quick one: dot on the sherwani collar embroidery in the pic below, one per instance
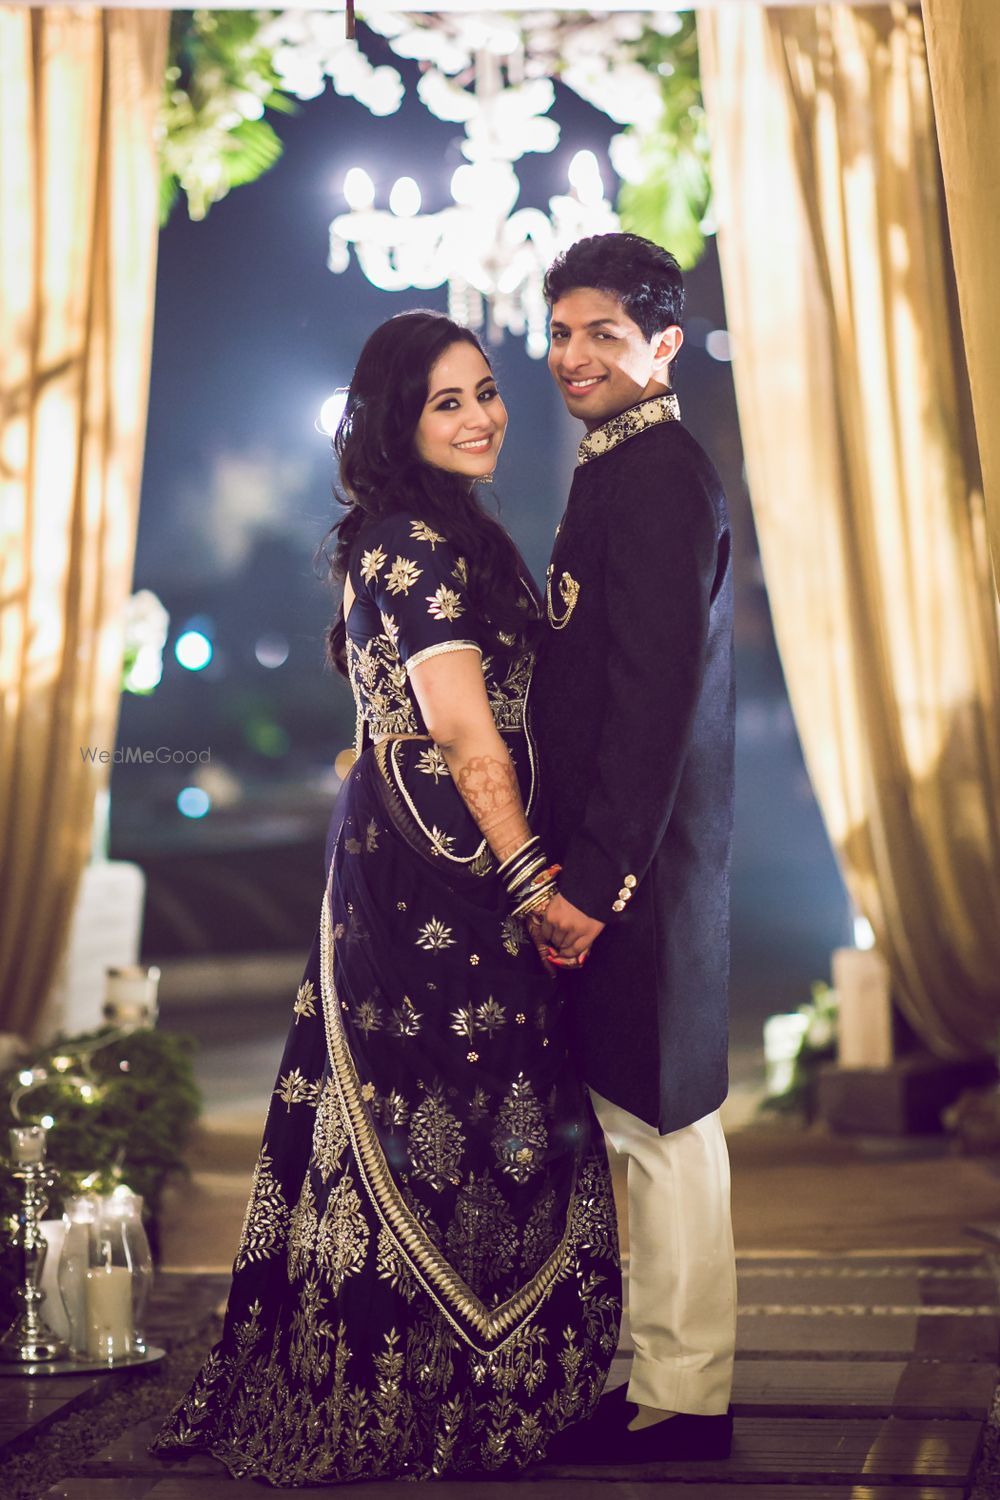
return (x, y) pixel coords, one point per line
(627, 423)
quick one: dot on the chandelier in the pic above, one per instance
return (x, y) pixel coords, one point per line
(491, 255)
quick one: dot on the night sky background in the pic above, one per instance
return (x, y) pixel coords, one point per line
(252, 333)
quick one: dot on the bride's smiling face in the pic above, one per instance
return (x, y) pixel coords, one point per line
(462, 425)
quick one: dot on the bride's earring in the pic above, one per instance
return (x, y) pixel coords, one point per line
(484, 479)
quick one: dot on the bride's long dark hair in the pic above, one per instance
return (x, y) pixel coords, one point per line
(381, 472)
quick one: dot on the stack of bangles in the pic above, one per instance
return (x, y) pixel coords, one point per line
(529, 878)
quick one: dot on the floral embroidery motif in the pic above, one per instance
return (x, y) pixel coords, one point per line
(445, 604)
(434, 936)
(626, 424)
(404, 1021)
(302, 1231)
(371, 837)
(342, 1235)
(520, 1138)
(432, 763)
(402, 575)
(436, 1141)
(482, 1237)
(441, 842)
(490, 1016)
(367, 1016)
(265, 1223)
(461, 570)
(305, 1001)
(372, 562)
(512, 936)
(392, 1110)
(330, 1139)
(391, 1267)
(421, 532)
(294, 1088)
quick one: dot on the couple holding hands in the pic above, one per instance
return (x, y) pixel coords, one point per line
(523, 947)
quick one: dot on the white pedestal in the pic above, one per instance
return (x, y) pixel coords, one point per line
(105, 931)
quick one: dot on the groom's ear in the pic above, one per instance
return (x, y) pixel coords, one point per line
(666, 346)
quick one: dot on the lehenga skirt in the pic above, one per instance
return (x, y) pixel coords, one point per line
(427, 1282)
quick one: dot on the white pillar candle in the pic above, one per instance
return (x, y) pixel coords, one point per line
(53, 1310)
(130, 996)
(27, 1145)
(109, 1312)
(864, 998)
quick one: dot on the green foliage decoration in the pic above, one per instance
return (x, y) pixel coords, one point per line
(122, 1103)
(220, 80)
(670, 202)
(817, 1046)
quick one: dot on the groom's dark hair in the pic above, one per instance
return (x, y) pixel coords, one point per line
(644, 278)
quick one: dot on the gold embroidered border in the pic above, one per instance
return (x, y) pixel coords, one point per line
(628, 423)
(440, 649)
(450, 1294)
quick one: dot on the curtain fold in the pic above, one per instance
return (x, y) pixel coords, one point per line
(963, 50)
(79, 91)
(864, 475)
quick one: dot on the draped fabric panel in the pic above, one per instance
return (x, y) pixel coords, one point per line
(79, 91)
(963, 51)
(864, 474)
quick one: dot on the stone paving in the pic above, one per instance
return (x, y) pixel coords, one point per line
(858, 1377)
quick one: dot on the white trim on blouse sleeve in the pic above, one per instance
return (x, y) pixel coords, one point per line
(439, 650)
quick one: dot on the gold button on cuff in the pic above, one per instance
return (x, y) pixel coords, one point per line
(618, 906)
(624, 894)
(631, 882)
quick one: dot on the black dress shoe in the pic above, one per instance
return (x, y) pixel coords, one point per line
(605, 1438)
(682, 1438)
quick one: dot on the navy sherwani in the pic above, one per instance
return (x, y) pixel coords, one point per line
(633, 709)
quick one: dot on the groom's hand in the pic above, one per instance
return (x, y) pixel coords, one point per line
(568, 931)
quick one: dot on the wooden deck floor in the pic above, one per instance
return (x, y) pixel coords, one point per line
(857, 1378)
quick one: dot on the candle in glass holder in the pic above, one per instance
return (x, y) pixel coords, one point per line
(27, 1145)
(108, 1294)
(130, 996)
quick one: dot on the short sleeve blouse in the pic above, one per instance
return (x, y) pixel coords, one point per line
(416, 581)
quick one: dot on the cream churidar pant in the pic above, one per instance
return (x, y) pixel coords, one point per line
(682, 1263)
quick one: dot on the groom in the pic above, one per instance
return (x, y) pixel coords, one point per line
(633, 707)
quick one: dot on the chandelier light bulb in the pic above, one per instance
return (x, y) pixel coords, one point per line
(585, 178)
(359, 190)
(405, 200)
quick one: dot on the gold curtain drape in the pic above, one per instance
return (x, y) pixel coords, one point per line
(863, 469)
(963, 50)
(79, 91)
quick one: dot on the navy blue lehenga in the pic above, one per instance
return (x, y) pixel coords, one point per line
(427, 1282)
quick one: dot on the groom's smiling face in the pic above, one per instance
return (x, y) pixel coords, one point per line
(601, 360)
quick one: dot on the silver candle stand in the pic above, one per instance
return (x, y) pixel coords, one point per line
(29, 1339)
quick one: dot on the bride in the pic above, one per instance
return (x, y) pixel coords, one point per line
(427, 1283)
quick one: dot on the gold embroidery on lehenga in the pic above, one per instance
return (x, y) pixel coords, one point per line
(295, 1088)
(404, 1020)
(436, 1142)
(302, 1231)
(482, 1236)
(329, 1140)
(520, 1138)
(449, 1292)
(342, 1235)
(305, 1001)
(312, 1336)
(391, 1267)
(434, 935)
(265, 1223)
